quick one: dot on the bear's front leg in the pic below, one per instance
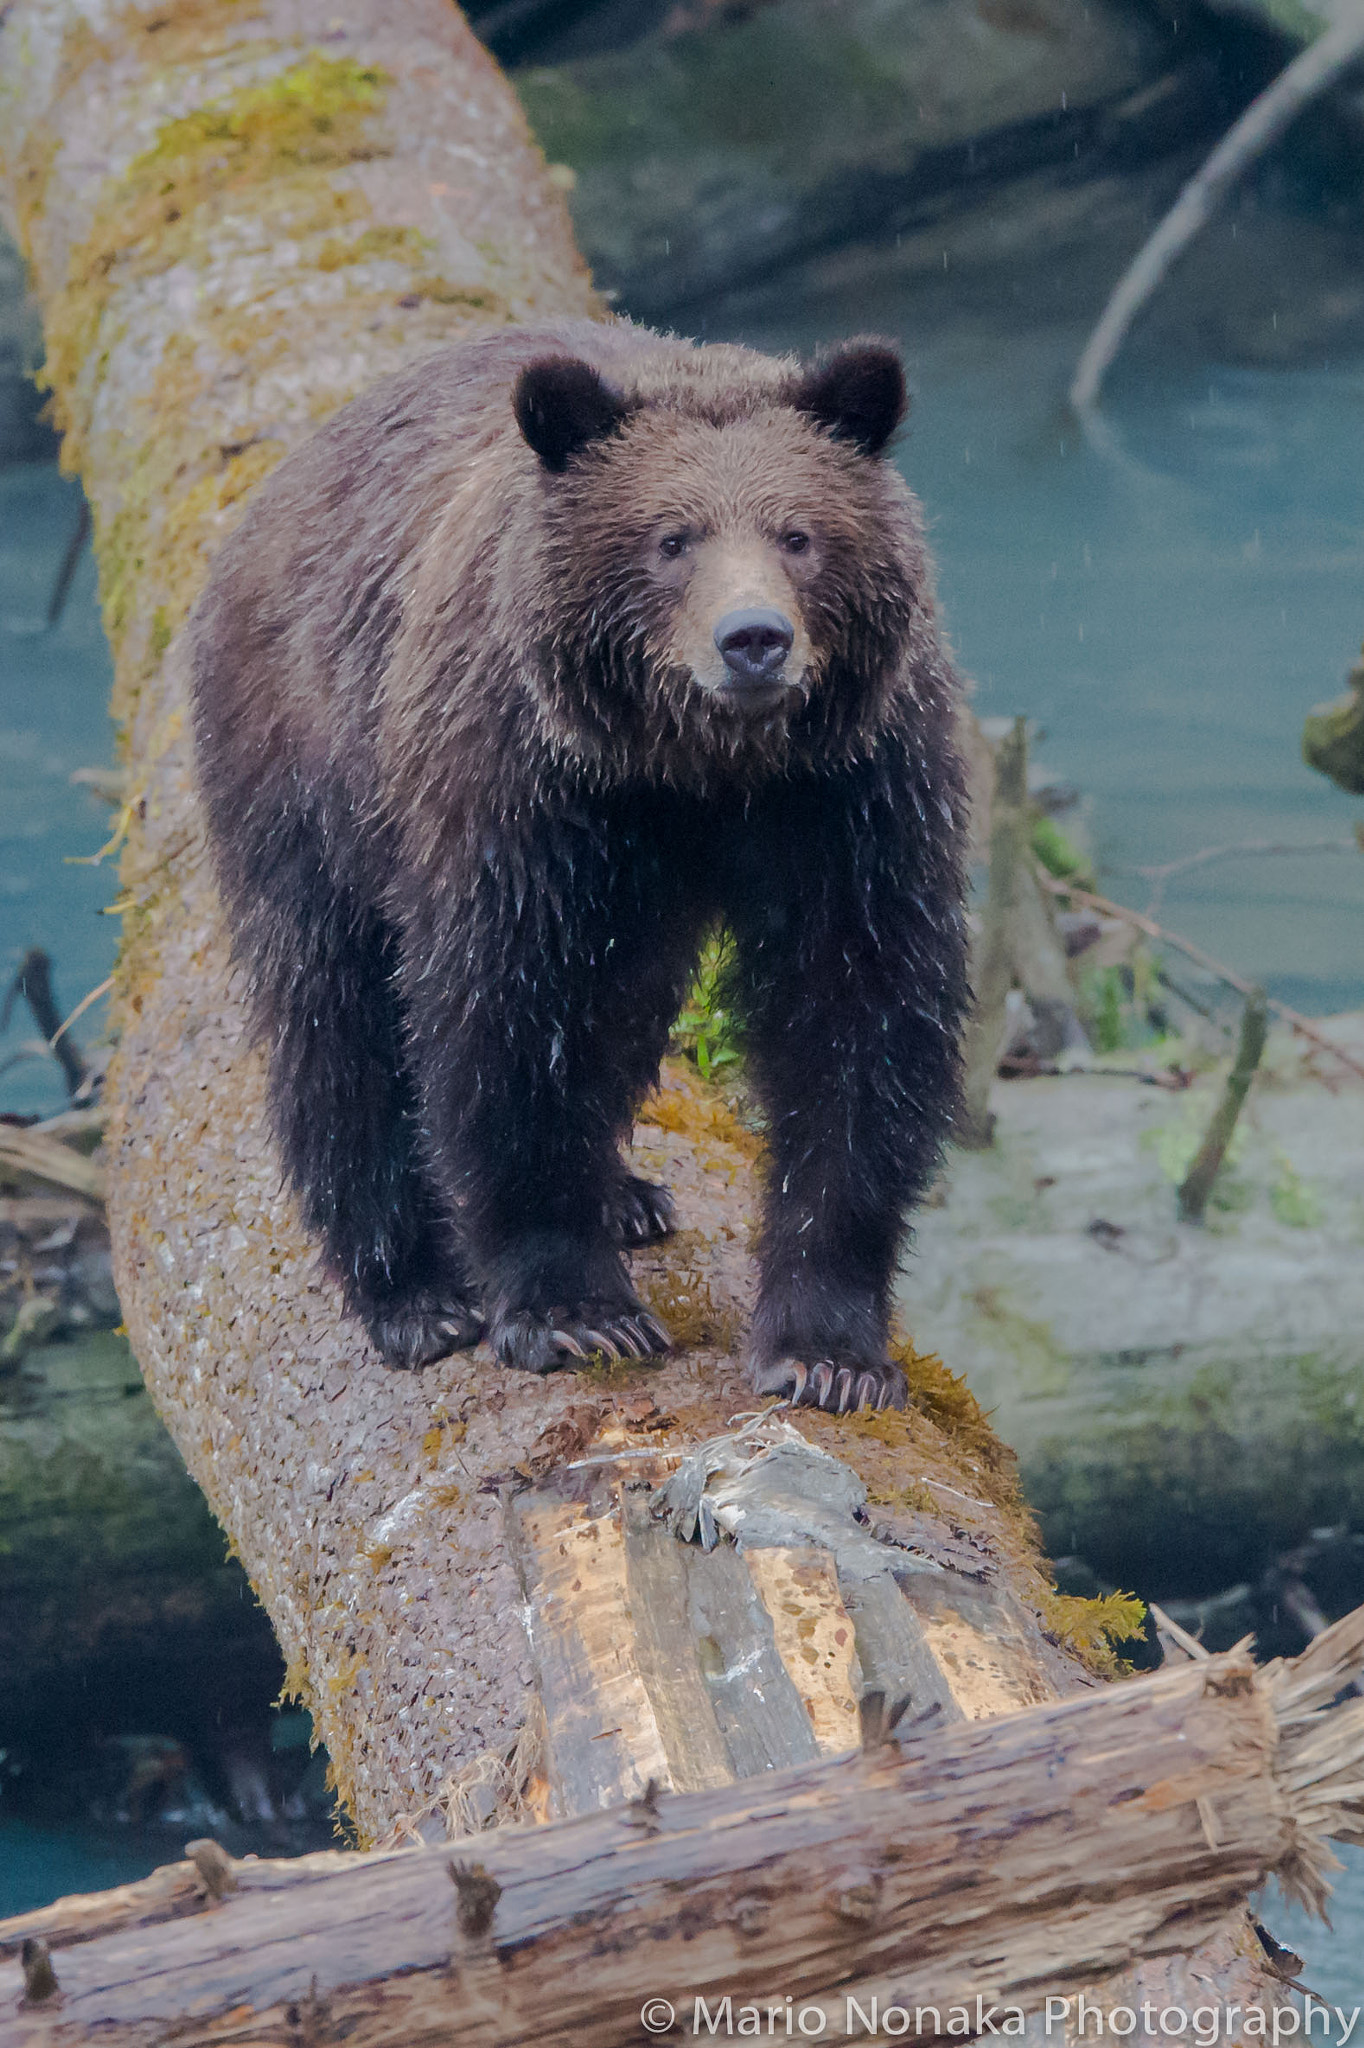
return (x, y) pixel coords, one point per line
(538, 1187)
(851, 952)
(538, 1014)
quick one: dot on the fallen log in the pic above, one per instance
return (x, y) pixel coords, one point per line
(1012, 1861)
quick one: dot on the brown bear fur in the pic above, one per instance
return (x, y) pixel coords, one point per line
(480, 776)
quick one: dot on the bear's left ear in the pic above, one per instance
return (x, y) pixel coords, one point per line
(561, 405)
(856, 394)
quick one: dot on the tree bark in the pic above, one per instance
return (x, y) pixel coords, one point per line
(1008, 1861)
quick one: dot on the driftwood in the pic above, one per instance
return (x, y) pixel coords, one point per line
(1018, 946)
(29, 1155)
(1302, 1027)
(1010, 1861)
(1312, 72)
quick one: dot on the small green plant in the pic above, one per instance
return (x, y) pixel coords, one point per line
(1121, 1005)
(1059, 855)
(1291, 1199)
(707, 1029)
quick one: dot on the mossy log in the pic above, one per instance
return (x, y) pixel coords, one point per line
(1004, 1862)
(1184, 1400)
(114, 1581)
(1333, 735)
(234, 218)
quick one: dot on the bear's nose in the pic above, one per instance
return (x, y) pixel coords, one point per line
(754, 643)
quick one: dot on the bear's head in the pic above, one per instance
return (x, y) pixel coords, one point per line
(731, 570)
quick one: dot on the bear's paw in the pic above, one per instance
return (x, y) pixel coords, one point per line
(410, 1334)
(611, 1331)
(640, 1212)
(838, 1388)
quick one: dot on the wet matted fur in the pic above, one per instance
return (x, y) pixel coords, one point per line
(541, 659)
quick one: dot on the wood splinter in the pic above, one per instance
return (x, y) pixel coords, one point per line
(40, 1979)
(479, 1892)
(214, 1867)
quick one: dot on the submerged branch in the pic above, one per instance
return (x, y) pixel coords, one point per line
(1310, 74)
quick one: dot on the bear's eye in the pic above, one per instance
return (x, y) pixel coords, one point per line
(672, 545)
(794, 542)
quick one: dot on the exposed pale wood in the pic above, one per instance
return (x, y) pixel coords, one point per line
(815, 1639)
(1013, 1858)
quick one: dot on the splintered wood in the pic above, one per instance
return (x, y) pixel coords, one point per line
(660, 1660)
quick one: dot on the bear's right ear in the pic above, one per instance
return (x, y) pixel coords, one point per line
(562, 405)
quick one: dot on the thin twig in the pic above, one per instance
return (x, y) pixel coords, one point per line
(1197, 1183)
(1263, 122)
(1235, 849)
(1217, 968)
(81, 1008)
(34, 983)
(1180, 1637)
(75, 548)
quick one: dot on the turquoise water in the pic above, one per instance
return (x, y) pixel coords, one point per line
(54, 686)
(39, 1864)
(1333, 1968)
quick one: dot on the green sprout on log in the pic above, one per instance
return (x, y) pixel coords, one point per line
(707, 1029)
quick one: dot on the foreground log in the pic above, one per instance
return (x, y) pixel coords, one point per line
(1012, 1861)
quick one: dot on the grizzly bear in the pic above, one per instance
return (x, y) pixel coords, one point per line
(541, 661)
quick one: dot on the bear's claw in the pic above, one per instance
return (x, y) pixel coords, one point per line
(532, 1343)
(431, 1325)
(639, 1212)
(838, 1389)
